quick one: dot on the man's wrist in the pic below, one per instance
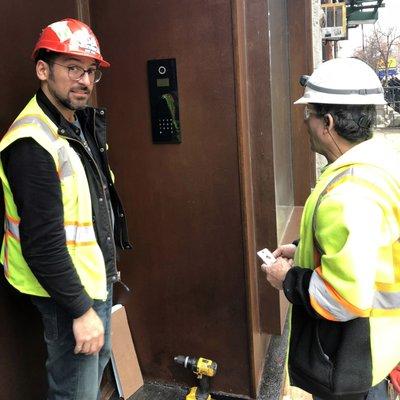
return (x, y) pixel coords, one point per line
(80, 305)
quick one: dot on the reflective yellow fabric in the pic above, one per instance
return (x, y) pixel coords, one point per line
(80, 236)
(353, 217)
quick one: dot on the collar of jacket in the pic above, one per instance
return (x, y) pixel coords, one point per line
(85, 116)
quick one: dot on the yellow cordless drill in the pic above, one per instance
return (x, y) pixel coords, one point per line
(204, 370)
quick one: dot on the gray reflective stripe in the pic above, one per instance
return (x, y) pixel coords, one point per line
(64, 164)
(386, 300)
(34, 120)
(12, 227)
(363, 92)
(80, 234)
(65, 167)
(318, 290)
(5, 261)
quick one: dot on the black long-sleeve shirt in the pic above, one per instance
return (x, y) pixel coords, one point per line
(35, 185)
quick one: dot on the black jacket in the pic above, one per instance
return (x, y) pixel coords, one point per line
(34, 182)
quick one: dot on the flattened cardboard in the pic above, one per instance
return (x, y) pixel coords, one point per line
(123, 358)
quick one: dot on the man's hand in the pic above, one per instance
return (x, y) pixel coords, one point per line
(89, 333)
(286, 251)
(276, 273)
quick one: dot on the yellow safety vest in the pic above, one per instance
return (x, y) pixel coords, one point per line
(358, 273)
(79, 232)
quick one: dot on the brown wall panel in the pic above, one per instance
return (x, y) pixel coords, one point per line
(22, 373)
(301, 62)
(251, 70)
(183, 201)
(22, 22)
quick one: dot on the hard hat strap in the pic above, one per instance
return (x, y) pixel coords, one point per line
(377, 90)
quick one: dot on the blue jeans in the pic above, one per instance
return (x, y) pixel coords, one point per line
(72, 376)
(377, 392)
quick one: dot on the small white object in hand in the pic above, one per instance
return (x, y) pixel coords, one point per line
(266, 256)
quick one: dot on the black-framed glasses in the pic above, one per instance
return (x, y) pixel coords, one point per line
(75, 72)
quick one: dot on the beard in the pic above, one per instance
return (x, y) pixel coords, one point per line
(68, 102)
(65, 99)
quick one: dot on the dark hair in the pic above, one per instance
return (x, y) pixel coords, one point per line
(352, 121)
(45, 55)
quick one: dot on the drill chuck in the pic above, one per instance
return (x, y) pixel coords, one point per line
(200, 366)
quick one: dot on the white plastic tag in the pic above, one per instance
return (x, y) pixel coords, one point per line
(266, 256)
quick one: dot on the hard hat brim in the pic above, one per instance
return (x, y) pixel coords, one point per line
(301, 100)
(377, 100)
(103, 63)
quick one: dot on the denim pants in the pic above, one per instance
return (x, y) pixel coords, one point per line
(377, 392)
(72, 376)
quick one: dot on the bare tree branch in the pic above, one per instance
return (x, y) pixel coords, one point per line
(379, 49)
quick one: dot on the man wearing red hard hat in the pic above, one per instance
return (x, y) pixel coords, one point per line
(63, 216)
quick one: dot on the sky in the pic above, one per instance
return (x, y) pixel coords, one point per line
(388, 16)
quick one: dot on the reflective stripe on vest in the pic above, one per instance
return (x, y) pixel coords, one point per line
(80, 235)
(325, 299)
(11, 226)
(11, 229)
(76, 234)
(34, 120)
(328, 303)
(64, 168)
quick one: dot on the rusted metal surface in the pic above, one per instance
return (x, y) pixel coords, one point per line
(300, 62)
(182, 200)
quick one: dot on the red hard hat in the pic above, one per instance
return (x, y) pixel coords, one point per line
(70, 36)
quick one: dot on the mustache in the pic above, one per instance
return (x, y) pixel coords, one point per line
(81, 88)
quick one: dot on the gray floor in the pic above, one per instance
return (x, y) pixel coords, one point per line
(153, 391)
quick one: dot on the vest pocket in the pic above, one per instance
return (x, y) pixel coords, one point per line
(306, 355)
(329, 358)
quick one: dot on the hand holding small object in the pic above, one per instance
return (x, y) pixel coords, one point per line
(285, 250)
(276, 273)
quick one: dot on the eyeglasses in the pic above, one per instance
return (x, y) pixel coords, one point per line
(308, 112)
(75, 73)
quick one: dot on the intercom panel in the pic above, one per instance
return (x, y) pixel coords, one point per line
(164, 104)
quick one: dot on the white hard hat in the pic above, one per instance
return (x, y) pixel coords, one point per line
(342, 81)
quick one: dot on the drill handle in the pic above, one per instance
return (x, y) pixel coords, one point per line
(204, 385)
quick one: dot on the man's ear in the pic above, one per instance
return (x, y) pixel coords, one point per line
(328, 122)
(42, 70)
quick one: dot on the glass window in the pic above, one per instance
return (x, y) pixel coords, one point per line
(330, 17)
(338, 16)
